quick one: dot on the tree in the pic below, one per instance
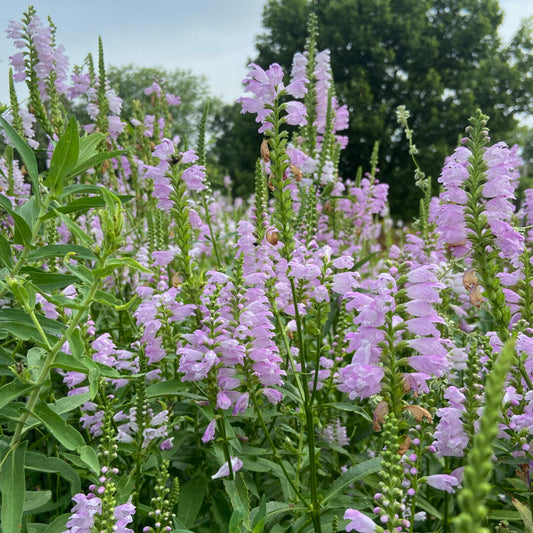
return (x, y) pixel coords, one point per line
(130, 82)
(439, 58)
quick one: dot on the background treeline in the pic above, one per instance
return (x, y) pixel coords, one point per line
(439, 58)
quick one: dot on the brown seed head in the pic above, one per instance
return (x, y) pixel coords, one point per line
(265, 152)
(469, 279)
(380, 412)
(23, 170)
(271, 185)
(419, 412)
(328, 208)
(475, 295)
(272, 237)
(176, 280)
(297, 173)
(404, 446)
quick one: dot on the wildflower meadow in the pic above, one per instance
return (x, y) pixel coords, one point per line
(176, 359)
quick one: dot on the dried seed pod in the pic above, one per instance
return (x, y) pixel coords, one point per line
(272, 237)
(475, 295)
(297, 173)
(419, 412)
(265, 152)
(271, 185)
(404, 446)
(328, 208)
(380, 412)
(469, 279)
(176, 280)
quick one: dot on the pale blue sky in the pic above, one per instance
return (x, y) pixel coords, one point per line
(213, 38)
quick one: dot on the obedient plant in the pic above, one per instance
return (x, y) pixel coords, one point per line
(175, 359)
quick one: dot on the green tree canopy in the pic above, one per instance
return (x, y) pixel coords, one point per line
(439, 58)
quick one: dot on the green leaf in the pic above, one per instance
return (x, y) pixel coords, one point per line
(115, 264)
(27, 155)
(13, 488)
(238, 494)
(89, 145)
(64, 157)
(86, 239)
(426, 506)
(351, 408)
(54, 465)
(59, 524)
(5, 252)
(17, 323)
(48, 281)
(80, 271)
(29, 211)
(76, 344)
(192, 496)
(66, 404)
(92, 162)
(275, 510)
(89, 456)
(12, 391)
(355, 473)
(35, 499)
(67, 362)
(60, 250)
(525, 514)
(258, 525)
(35, 358)
(67, 435)
(22, 234)
(172, 387)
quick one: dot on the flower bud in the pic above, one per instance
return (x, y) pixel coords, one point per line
(265, 152)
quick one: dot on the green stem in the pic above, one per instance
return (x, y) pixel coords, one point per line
(48, 364)
(315, 511)
(259, 414)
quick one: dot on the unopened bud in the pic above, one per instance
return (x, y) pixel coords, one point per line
(475, 295)
(380, 412)
(265, 152)
(272, 237)
(469, 279)
(297, 173)
(419, 412)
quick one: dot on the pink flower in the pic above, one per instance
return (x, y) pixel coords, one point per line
(359, 522)
(223, 471)
(443, 482)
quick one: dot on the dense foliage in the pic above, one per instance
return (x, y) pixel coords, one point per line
(173, 358)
